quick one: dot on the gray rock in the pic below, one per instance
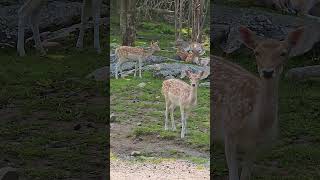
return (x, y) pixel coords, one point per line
(226, 21)
(306, 72)
(131, 65)
(101, 74)
(8, 173)
(141, 85)
(113, 117)
(135, 153)
(205, 84)
(173, 70)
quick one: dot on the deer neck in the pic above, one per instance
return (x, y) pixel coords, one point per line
(193, 96)
(149, 52)
(269, 103)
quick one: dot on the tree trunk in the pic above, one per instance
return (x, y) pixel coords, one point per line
(180, 17)
(127, 22)
(176, 3)
(198, 18)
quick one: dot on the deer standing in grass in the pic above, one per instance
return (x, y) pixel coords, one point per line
(246, 106)
(31, 10)
(139, 55)
(179, 93)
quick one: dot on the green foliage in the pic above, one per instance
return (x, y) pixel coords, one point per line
(151, 110)
(46, 97)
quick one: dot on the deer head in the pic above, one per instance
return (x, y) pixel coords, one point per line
(194, 77)
(155, 46)
(270, 54)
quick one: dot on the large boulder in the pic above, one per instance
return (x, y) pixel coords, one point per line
(226, 21)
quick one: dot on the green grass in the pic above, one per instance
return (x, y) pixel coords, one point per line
(297, 152)
(150, 110)
(45, 98)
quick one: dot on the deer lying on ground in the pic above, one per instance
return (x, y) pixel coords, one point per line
(179, 93)
(184, 49)
(246, 106)
(192, 58)
(128, 53)
(31, 10)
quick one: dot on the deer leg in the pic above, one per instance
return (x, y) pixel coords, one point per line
(173, 124)
(86, 7)
(96, 20)
(135, 69)
(117, 69)
(166, 114)
(185, 122)
(140, 64)
(121, 71)
(247, 166)
(35, 20)
(182, 122)
(230, 152)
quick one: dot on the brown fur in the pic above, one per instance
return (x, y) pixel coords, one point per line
(179, 93)
(245, 107)
(128, 53)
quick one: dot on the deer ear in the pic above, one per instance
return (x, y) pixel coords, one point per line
(248, 37)
(294, 37)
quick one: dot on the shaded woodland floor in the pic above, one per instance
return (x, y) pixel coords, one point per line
(53, 119)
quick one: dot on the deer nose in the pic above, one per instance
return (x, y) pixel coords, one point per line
(193, 85)
(268, 73)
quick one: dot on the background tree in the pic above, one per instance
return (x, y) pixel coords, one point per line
(127, 22)
(199, 11)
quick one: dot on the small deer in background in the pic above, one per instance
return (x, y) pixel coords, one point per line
(246, 106)
(185, 49)
(192, 58)
(179, 93)
(128, 53)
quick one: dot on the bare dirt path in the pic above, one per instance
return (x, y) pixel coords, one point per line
(171, 170)
(122, 145)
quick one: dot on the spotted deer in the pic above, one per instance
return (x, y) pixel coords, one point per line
(178, 93)
(245, 106)
(128, 53)
(187, 49)
(192, 58)
(31, 10)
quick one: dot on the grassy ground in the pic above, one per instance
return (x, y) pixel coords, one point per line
(133, 104)
(53, 120)
(130, 101)
(297, 153)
